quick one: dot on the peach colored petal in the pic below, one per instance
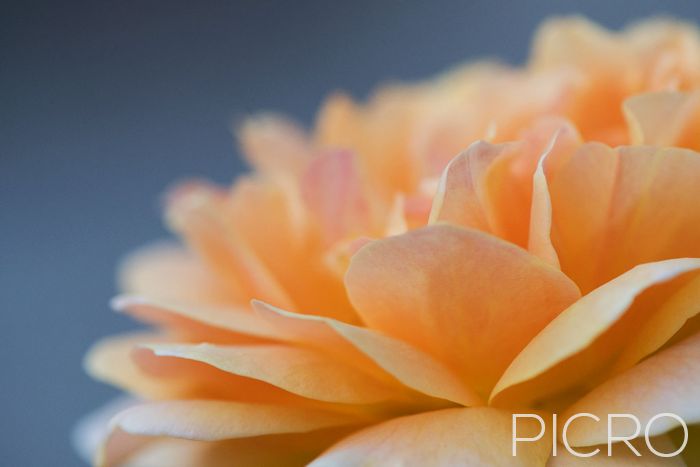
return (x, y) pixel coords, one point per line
(663, 119)
(410, 366)
(211, 420)
(490, 187)
(118, 447)
(378, 133)
(466, 297)
(198, 211)
(208, 420)
(622, 456)
(582, 323)
(92, 429)
(291, 450)
(274, 221)
(472, 436)
(212, 323)
(273, 144)
(122, 362)
(334, 191)
(109, 360)
(557, 149)
(614, 209)
(461, 198)
(663, 324)
(300, 371)
(168, 271)
(664, 383)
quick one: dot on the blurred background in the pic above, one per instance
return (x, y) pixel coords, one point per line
(104, 104)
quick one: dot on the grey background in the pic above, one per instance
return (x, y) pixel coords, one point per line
(103, 104)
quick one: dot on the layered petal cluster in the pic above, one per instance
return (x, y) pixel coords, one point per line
(389, 287)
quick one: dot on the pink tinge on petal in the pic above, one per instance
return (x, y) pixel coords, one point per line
(333, 190)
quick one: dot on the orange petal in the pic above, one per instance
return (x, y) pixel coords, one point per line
(109, 360)
(663, 325)
(578, 327)
(199, 212)
(664, 383)
(663, 119)
(410, 366)
(202, 321)
(169, 272)
(273, 220)
(558, 149)
(461, 198)
(334, 192)
(93, 429)
(210, 420)
(614, 209)
(303, 372)
(287, 450)
(273, 144)
(466, 297)
(473, 436)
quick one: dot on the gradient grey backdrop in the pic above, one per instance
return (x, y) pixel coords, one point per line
(103, 104)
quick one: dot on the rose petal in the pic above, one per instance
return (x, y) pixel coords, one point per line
(466, 297)
(333, 190)
(557, 150)
(578, 327)
(473, 436)
(169, 272)
(461, 198)
(291, 450)
(109, 360)
(197, 211)
(614, 209)
(93, 428)
(303, 372)
(284, 237)
(210, 323)
(663, 119)
(273, 144)
(410, 366)
(664, 383)
(210, 420)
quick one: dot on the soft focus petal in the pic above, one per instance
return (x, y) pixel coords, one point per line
(93, 428)
(169, 272)
(664, 119)
(273, 144)
(665, 382)
(198, 212)
(335, 194)
(273, 220)
(109, 360)
(473, 436)
(468, 298)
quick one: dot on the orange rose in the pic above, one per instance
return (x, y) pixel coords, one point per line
(364, 296)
